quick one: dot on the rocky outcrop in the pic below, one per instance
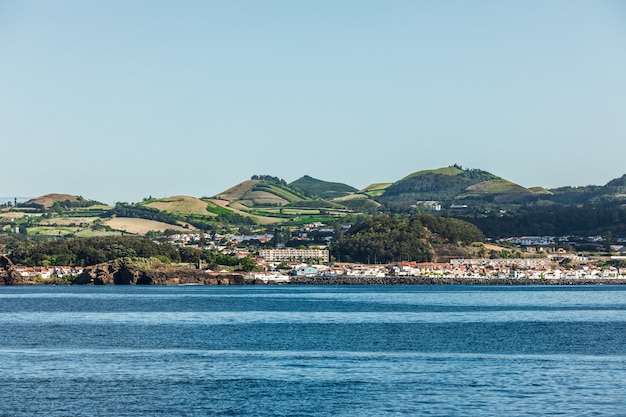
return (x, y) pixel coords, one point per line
(9, 274)
(121, 275)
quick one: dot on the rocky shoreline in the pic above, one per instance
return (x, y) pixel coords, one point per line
(121, 275)
(114, 275)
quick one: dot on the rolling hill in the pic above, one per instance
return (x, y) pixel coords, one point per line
(442, 184)
(496, 190)
(47, 201)
(265, 200)
(182, 205)
(323, 189)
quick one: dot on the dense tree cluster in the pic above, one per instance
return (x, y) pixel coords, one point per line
(385, 238)
(96, 250)
(141, 212)
(269, 178)
(552, 221)
(63, 206)
(452, 230)
(91, 251)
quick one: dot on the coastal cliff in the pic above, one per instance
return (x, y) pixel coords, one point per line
(122, 275)
(9, 275)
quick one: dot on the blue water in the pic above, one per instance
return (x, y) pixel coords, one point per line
(313, 351)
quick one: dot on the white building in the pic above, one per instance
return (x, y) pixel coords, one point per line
(290, 254)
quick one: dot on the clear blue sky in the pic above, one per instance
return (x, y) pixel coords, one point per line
(118, 100)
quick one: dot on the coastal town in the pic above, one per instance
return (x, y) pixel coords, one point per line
(544, 259)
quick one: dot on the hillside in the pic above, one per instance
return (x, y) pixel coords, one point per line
(47, 201)
(375, 190)
(443, 184)
(269, 199)
(262, 192)
(423, 238)
(613, 190)
(323, 189)
(498, 206)
(181, 205)
(359, 203)
(450, 171)
(496, 190)
(237, 191)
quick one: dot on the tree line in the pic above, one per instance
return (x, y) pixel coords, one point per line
(97, 250)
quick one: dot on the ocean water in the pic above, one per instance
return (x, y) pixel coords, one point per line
(313, 351)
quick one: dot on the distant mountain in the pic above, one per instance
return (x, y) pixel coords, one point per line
(323, 189)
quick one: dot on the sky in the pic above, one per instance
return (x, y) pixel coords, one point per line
(119, 100)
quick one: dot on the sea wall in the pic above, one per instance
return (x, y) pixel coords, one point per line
(394, 280)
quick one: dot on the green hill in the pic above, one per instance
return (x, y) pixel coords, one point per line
(323, 189)
(433, 185)
(375, 190)
(613, 190)
(498, 190)
(263, 190)
(451, 170)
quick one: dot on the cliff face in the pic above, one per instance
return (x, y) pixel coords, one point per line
(114, 275)
(9, 275)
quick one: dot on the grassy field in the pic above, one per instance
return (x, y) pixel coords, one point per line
(236, 192)
(182, 205)
(67, 221)
(444, 171)
(142, 226)
(51, 231)
(8, 215)
(48, 200)
(540, 190)
(500, 188)
(97, 233)
(374, 190)
(290, 211)
(262, 198)
(243, 210)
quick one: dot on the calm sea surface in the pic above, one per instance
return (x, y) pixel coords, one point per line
(313, 351)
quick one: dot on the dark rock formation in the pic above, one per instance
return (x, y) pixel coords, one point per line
(121, 275)
(9, 275)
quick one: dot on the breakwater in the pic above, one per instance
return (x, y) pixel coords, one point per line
(395, 280)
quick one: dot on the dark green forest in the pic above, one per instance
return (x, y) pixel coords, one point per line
(386, 238)
(551, 221)
(97, 250)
